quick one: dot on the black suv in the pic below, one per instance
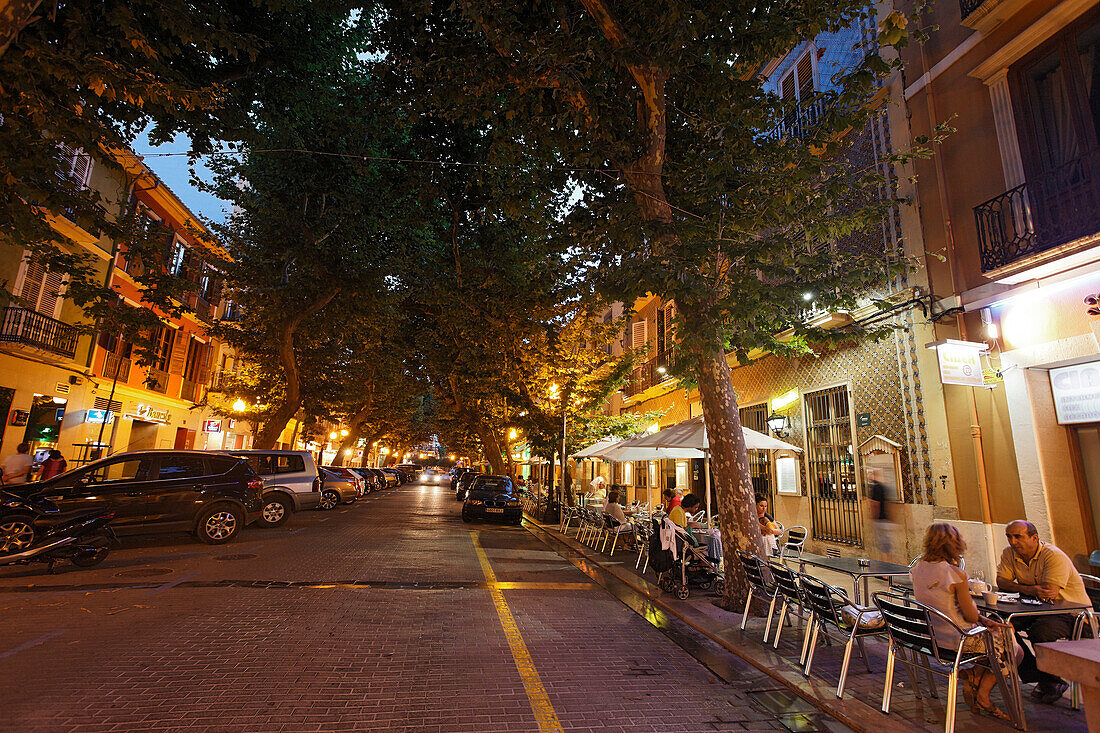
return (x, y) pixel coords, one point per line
(212, 495)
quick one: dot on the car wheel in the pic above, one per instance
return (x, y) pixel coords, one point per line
(276, 511)
(16, 533)
(467, 518)
(352, 500)
(329, 500)
(219, 524)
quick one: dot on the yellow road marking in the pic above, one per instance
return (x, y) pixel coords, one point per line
(532, 683)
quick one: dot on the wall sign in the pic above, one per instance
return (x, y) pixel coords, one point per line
(1076, 392)
(151, 413)
(960, 362)
(100, 416)
(212, 426)
(19, 417)
(863, 419)
(786, 475)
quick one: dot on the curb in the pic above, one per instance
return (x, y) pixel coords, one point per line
(819, 693)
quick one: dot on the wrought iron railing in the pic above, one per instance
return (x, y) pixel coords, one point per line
(24, 326)
(157, 380)
(800, 121)
(654, 371)
(1057, 207)
(116, 367)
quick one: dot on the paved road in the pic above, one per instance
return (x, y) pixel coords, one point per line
(387, 615)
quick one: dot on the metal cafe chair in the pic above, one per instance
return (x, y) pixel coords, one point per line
(913, 638)
(758, 585)
(833, 614)
(786, 582)
(792, 544)
(611, 530)
(643, 530)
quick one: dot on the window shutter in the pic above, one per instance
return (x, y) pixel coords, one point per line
(49, 301)
(179, 354)
(31, 288)
(82, 169)
(638, 335)
(805, 70)
(787, 86)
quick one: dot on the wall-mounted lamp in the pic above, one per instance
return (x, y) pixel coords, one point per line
(779, 424)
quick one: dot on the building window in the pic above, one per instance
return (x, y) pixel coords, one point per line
(760, 466)
(798, 83)
(1058, 115)
(834, 492)
(163, 340)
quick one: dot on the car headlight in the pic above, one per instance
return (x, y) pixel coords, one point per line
(475, 501)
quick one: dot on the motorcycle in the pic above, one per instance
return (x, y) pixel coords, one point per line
(85, 541)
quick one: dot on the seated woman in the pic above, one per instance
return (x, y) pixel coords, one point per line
(614, 509)
(769, 530)
(939, 582)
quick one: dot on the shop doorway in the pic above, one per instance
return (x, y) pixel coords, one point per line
(143, 435)
(1088, 460)
(44, 423)
(185, 439)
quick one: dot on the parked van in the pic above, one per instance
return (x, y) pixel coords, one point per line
(291, 482)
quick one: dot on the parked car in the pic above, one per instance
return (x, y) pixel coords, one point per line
(369, 479)
(336, 488)
(395, 476)
(212, 495)
(492, 497)
(456, 474)
(291, 482)
(347, 473)
(464, 483)
(411, 469)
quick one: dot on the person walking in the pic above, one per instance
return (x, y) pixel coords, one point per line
(55, 465)
(17, 467)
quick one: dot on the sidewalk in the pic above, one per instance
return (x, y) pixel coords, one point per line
(863, 693)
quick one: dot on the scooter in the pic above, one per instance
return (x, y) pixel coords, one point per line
(85, 541)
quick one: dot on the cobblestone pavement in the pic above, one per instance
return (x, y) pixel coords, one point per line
(379, 616)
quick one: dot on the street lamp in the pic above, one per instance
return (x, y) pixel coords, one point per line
(779, 424)
(344, 433)
(240, 405)
(332, 435)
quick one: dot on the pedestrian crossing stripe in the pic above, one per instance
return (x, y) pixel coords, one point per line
(532, 683)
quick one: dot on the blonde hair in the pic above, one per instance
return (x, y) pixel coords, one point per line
(943, 543)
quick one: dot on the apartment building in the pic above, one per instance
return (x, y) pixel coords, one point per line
(1010, 209)
(84, 393)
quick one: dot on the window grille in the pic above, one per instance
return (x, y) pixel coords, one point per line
(638, 335)
(834, 490)
(760, 466)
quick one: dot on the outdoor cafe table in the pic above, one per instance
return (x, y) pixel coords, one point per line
(1008, 610)
(851, 567)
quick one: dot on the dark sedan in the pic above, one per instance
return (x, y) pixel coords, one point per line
(465, 481)
(492, 497)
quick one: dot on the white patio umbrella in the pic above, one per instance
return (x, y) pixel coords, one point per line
(594, 450)
(691, 435)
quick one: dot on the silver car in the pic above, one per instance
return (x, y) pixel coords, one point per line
(291, 482)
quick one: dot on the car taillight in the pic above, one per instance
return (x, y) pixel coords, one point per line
(317, 484)
(256, 483)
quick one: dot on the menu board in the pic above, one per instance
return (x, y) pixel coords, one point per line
(1076, 392)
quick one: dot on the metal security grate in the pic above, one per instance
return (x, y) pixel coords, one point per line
(834, 490)
(760, 467)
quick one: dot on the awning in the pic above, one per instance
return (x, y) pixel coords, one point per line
(692, 434)
(594, 450)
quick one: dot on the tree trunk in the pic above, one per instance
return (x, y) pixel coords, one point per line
(491, 443)
(355, 427)
(729, 463)
(288, 360)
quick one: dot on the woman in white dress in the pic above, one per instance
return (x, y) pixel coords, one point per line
(939, 582)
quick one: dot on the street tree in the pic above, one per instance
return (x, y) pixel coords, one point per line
(695, 181)
(310, 235)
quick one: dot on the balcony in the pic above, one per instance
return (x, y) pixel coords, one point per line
(651, 373)
(116, 367)
(23, 326)
(1058, 207)
(157, 380)
(799, 122)
(190, 390)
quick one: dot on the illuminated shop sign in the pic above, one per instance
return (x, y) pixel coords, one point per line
(1076, 392)
(212, 426)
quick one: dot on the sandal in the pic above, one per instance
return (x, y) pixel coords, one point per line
(991, 710)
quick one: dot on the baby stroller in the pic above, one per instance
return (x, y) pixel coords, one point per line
(689, 567)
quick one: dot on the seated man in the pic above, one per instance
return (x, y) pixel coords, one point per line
(614, 509)
(1034, 568)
